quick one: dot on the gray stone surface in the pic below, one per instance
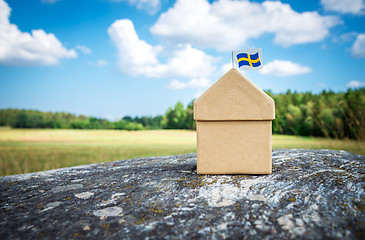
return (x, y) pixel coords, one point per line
(311, 194)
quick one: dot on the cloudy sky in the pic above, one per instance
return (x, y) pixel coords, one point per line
(111, 58)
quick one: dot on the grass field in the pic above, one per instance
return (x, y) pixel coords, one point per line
(29, 150)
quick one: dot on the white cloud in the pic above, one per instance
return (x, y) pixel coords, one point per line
(137, 57)
(283, 68)
(193, 83)
(22, 48)
(346, 37)
(358, 49)
(84, 49)
(355, 84)
(101, 63)
(49, 1)
(228, 24)
(226, 67)
(151, 6)
(175, 84)
(344, 6)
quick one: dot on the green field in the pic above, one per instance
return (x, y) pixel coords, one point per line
(29, 150)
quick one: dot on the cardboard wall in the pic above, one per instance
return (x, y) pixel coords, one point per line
(234, 147)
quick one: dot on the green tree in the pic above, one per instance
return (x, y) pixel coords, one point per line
(21, 120)
(176, 117)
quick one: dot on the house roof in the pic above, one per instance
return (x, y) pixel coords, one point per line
(234, 97)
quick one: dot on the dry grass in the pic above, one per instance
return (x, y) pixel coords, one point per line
(297, 142)
(29, 150)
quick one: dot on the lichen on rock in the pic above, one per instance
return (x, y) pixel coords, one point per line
(311, 194)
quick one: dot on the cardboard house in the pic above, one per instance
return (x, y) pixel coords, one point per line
(234, 122)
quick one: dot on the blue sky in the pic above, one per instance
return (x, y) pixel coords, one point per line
(112, 58)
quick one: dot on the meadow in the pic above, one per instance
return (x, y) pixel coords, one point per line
(30, 150)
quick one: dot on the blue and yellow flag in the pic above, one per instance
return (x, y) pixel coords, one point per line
(248, 59)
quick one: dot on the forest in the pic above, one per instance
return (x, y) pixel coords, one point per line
(326, 114)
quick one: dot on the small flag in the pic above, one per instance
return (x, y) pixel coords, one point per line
(248, 59)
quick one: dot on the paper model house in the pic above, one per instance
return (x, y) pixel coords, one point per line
(234, 119)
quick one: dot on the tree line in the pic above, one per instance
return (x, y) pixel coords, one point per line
(326, 114)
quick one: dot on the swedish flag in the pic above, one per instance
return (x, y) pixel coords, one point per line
(247, 59)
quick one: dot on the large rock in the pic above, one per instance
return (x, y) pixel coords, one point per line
(311, 194)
